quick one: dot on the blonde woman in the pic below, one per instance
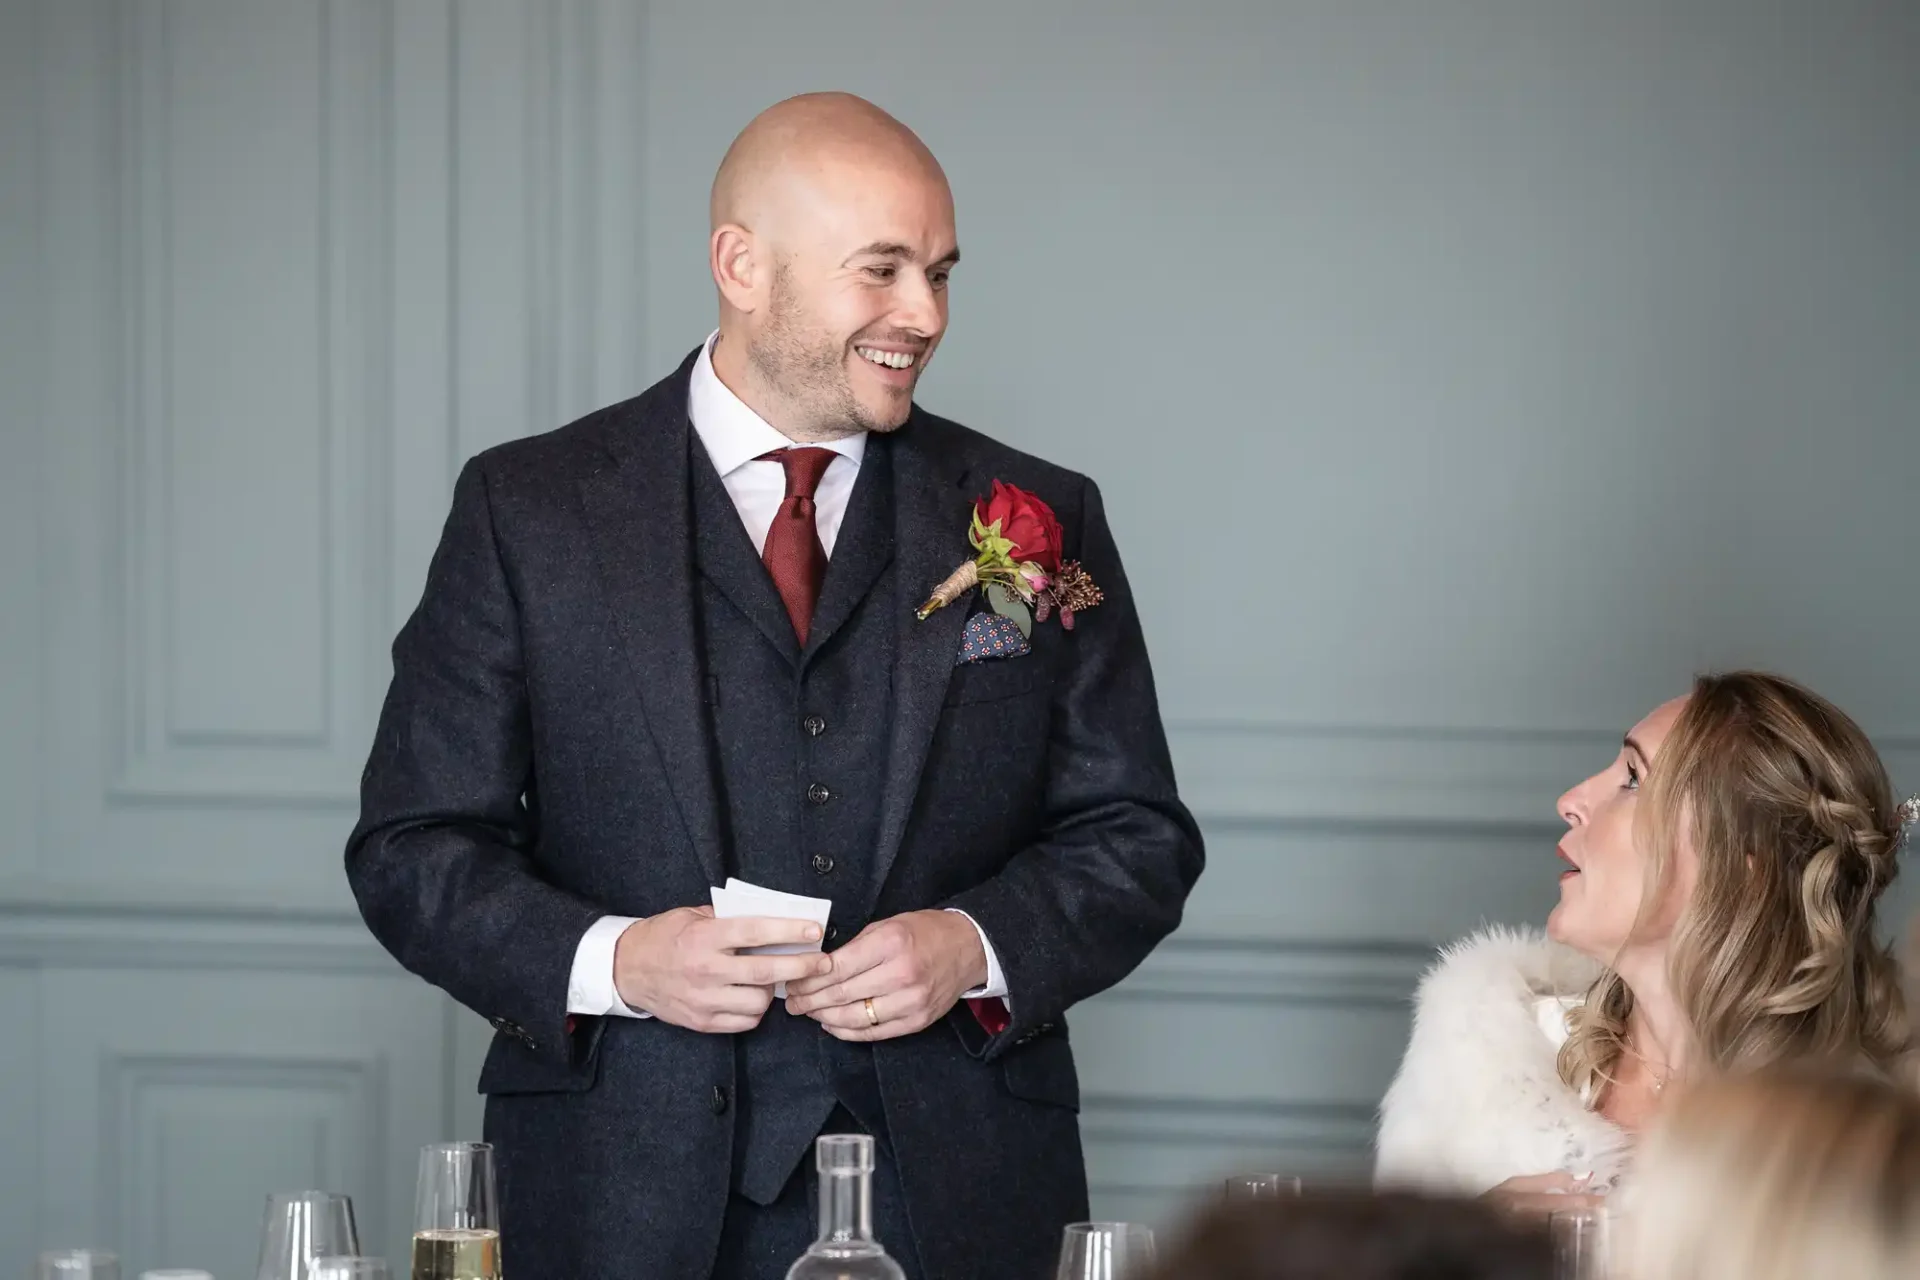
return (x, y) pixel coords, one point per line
(1778, 1178)
(1716, 911)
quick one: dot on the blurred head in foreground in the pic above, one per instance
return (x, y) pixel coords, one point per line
(1359, 1236)
(1779, 1177)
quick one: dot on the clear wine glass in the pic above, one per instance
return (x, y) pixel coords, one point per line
(456, 1221)
(1261, 1186)
(302, 1226)
(350, 1269)
(78, 1264)
(1105, 1251)
(1581, 1240)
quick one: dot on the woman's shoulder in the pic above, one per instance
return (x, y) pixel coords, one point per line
(1478, 1095)
(1507, 968)
(1495, 1000)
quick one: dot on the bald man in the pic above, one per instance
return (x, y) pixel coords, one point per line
(677, 641)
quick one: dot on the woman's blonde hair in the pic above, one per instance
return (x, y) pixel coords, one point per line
(1777, 1177)
(1774, 958)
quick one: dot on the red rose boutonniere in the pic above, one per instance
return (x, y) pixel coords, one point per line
(1018, 566)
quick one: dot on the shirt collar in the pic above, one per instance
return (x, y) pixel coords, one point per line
(735, 435)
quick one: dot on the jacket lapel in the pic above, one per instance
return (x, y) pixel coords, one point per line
(639, 521)
(931, 506)
(864, 548)
(726, 557)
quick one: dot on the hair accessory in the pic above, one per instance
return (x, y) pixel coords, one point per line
(1909, 814)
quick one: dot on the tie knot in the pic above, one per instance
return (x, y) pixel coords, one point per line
(804, 468)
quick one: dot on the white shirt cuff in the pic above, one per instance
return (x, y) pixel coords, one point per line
(590, 988)
(996, 981)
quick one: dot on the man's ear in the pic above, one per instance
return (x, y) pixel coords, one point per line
(734, 256)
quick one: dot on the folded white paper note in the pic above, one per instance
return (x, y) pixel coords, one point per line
(738, 898)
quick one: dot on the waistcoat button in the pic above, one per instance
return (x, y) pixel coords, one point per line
(819, 794)
(814, 725)
(822, 863)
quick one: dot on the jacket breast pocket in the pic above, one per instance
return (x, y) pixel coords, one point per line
(1043, 1071)
(994, 680)
(513, 1068)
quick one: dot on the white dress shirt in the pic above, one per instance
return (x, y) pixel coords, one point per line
(735, 437)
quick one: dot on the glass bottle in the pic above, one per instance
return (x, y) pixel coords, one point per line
(846, 1249)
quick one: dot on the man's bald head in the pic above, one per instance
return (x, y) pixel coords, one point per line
(802, 141)
(831, 244)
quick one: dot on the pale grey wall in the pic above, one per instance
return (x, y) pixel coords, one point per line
(1460, 376)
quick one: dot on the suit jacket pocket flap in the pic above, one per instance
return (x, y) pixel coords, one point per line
(993, 679)
(1043, 1072)
(511, 1068)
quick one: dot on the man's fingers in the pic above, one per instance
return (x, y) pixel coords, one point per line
(846, 989)
(887, 1029)
(748, 1000)
(764, 971)
(863, 954)
(848, 1015)
(758, 931)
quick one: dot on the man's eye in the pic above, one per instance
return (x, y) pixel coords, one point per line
(880, 273)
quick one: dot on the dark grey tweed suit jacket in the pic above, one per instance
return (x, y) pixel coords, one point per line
(545, 757)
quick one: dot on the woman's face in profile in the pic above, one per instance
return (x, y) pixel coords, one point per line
(1604, 872)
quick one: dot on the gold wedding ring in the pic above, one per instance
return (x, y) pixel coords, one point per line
(873, 1019)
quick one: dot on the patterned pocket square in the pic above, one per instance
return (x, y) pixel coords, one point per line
(990, 636)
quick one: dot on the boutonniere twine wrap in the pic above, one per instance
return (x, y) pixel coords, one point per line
(1018, 567)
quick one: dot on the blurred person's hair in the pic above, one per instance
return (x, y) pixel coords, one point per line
(1774, 959)
(1782, 1176)
(1358, 1235)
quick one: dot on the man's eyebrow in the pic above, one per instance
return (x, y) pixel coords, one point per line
(892, 249)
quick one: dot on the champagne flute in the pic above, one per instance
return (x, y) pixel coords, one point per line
(456, 1221)
(302, 1226)
(1261, 1186)
(78, 1264)
(1105, 1251)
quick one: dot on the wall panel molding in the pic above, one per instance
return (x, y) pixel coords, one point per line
(24, 317)
(1153, 1158)
(1498, 780)
(307, 746)
(1196, 968)
(314, 1118)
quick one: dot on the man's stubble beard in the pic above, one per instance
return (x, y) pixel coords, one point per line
(806, 367)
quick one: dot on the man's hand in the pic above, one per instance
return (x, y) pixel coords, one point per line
(913, 968)
(679, 966)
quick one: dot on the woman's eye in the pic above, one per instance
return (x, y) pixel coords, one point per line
(1633, 778)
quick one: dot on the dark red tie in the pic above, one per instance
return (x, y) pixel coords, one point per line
(793, 554)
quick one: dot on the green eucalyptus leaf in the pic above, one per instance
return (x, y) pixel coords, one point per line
(1007, 605)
